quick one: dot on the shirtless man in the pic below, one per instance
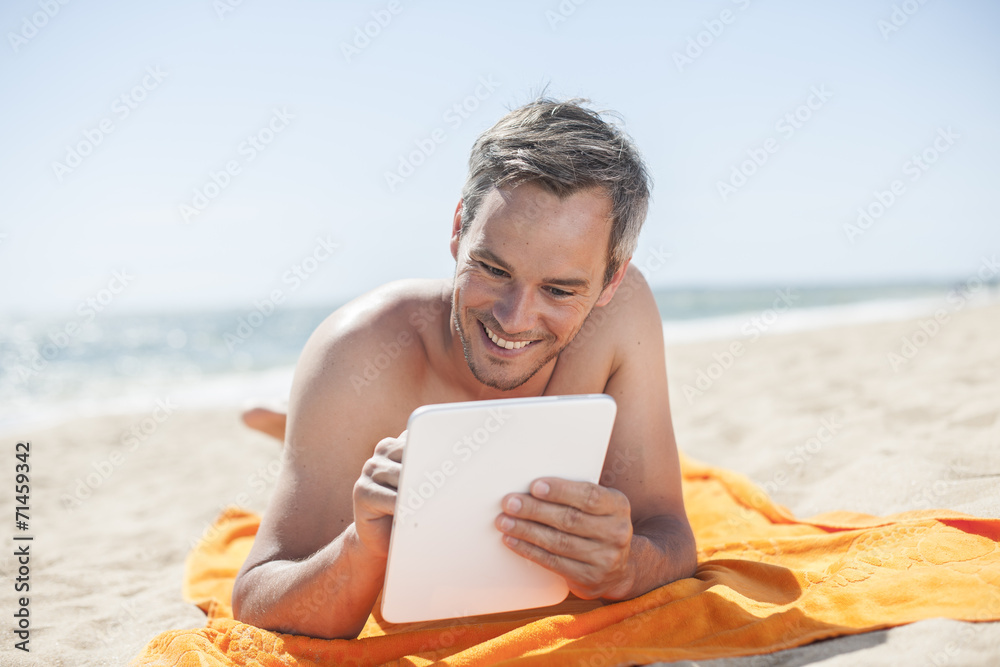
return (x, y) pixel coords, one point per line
(542, 239)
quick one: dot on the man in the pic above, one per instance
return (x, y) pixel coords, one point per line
(542, 239)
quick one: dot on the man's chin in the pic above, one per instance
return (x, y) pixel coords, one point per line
(499, 381)
(499, 386)
(494, 372)
(499, 375)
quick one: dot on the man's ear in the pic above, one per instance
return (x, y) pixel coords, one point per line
(609, 291)
(456, 230)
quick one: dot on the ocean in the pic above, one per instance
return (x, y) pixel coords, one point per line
(92, 364)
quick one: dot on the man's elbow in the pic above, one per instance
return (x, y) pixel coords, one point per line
(676, 548)
(309, 619)
(248, 605)
(242, 605)
(685, 552)
(688, 559)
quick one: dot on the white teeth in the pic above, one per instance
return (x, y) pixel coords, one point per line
(506, 344)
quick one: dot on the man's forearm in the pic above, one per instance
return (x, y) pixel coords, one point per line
(329, 594)
(662, 551)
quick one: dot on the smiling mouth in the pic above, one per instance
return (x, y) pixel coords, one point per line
(506, 344)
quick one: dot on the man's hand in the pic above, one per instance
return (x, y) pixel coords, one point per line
(580, 530)
(375, 495)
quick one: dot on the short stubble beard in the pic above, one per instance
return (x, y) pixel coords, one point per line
(479, 373)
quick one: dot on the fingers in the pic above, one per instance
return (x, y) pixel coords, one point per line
(556, 542)
(570, 568)
(382, 471)
(589, 567)
(391, 448)
(565, 531)
(584, 496)
(375, 494)
(579, 530)
(386, 462)
(374, 499)
(577, 508)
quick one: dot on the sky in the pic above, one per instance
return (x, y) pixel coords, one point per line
(203, 154)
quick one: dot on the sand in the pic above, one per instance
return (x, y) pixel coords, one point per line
(820, 418)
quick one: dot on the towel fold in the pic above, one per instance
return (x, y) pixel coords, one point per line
(766, 581)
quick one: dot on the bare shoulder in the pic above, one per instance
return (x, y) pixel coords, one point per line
(642, 457)
(377, 334)
(635, 316)
(353, 386)
(620, 352)
(626, 330)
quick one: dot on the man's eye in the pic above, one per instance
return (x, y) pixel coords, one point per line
(499, 273)
(559, 293)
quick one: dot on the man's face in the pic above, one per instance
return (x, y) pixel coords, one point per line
(529, 270)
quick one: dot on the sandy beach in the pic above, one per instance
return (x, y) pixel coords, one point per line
(877, 418)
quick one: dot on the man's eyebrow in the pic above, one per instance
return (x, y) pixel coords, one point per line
(578, 283)
(489, 256)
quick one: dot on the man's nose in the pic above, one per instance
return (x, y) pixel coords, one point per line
(515, 311)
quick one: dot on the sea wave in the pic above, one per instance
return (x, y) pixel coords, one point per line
(124, 364)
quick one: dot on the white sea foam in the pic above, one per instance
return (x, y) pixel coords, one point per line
(131, 396)
(94, 382)
(740, 325)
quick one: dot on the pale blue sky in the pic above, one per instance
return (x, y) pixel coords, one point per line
(324, 172)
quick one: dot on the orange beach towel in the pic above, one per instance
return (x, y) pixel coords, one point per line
(765, 581)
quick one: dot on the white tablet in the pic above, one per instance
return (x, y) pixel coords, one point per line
(446, 557)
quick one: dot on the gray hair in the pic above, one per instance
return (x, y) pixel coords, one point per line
(565, 148)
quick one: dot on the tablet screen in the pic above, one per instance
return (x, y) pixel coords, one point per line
(446, 556)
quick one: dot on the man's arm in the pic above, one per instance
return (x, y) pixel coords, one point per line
(630, 534)
(318, 560)
(330, 593)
